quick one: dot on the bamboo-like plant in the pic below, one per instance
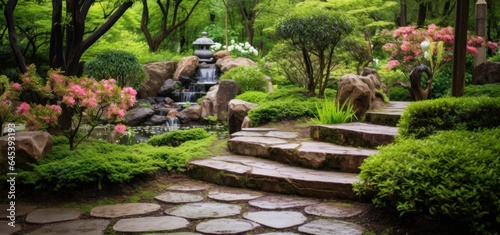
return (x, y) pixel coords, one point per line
(331, 112)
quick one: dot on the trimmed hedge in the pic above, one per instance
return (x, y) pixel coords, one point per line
(452, 173)
(177, 137)
(424, 118)
(490, 90)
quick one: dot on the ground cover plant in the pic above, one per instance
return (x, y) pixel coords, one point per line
(489, 90)
(98, 163)
(331, 112)
(451, 173)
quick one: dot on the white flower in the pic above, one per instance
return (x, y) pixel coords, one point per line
(425, 45)
(232, 41)
(426, 55)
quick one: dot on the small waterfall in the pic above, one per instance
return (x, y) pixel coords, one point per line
(173, 123)
(208, 75)
(188, 97)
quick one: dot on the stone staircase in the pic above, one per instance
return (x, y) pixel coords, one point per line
(325, 167)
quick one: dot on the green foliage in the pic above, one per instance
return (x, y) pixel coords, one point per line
(121, 65)
(330, 112)
(256, 97)
(398, 93)
(380, 93)
(249, 78)
(99, 162)
(452, 173)
(424, 118)
(177, 137)
(490, 90)
(391, 77)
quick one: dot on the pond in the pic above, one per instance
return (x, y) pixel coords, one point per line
(141, 134)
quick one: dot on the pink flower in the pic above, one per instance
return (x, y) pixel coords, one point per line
(493, 46)
(23, 109)
(16, 86)
(120, 128)
(409, 58)
(471, 50)
(57, 78)
(391, 64)
(120, 113)
(56, 108)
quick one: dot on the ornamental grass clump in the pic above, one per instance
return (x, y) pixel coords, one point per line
(330, 112)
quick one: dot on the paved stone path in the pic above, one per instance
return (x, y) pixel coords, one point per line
(193, 207)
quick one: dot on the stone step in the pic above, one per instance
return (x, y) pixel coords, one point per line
(388, 116)
(315, 155)
(355, 134)
(270, 176)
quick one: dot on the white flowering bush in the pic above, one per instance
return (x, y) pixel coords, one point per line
(238, 49)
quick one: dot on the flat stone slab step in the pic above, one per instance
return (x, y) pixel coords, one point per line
(355, 134)
(388, 116)
(150, 224)
(75, 227)
(271, 176)
(315, 155)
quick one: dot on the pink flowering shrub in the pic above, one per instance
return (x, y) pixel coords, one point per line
(77, 100)
(406, 53)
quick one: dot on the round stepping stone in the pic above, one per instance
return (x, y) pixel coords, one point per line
(150, 224)
(188, 187)
(75, 227)
(20, 210)
(174, 197)
(231, 195)
(179, 233)
(335, 209)
(49, 215)
(225, 226)
(7, 229)
(203, 210)
(276, 219)
(278, 233)
(324, 226)
(126, 209)
(281, 202)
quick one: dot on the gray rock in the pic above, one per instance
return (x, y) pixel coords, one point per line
(209, 103)
(189, 186)
(227, 63)
(175, 197)
(7, 229)
(228, 89)
(358, 91)
(335, 209)
(136, 116)
(190, 114)
(225, 226)
(49, 215)
(237, 110)
(276, 219)
(281, 202)
(168, 87)
(31, 147)
(203, 210)
(485, 73)
(186, 67)
(19, 209)
(76, 227)
(155, 120)
(126, 209)
(324, 226)
(150, 224)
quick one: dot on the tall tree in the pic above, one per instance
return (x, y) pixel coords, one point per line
(174, 14)
(250, 10)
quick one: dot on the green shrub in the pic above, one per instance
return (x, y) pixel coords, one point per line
(424, 118)
(249, 78)
(256, 97)
(123, 66)
(490, 90)
(452, 173)
(281, 110)
(329, 112)
(399, 94)
(381, 94)
(177, 137)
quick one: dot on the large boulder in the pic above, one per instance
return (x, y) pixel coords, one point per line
(228, 63)
(358, 90)
(485, 73)
(186, 67)
(155, 120)
(209, 102)
(138, 115)
(221, 54)
(168, 88)
(30, 147)
(375, 77)
(228, 89)
(158, 73)
(190, 114)
(238, 111)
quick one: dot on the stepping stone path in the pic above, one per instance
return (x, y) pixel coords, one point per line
(75, 227)
(225, 226)
(281, 202)
(276, 219)
(335, 209)
(233, 195)
(174, 197)
(204, 210)
(323, 226)
(150, 224)
(127, 209)
(5, 228)
(49, 215)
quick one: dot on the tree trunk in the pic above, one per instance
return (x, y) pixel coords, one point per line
(11, 26)
(402, 14)
(422, 13)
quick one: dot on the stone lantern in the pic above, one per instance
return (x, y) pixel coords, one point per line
(203, 52)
